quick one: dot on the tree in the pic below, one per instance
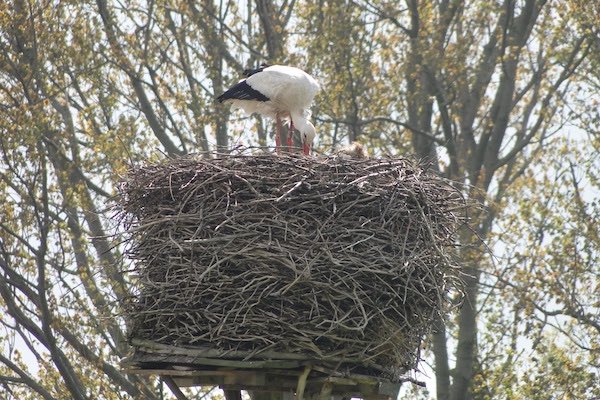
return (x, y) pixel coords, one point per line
(549, 279)
(56, 284)
(86, 89)
(483, 84)
(482, 89)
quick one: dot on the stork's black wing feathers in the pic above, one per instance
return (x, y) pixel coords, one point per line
(249, 72)
(242, 91)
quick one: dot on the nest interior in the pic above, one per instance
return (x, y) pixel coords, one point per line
(339, 260)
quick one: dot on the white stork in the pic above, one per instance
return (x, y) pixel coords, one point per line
(278, 92)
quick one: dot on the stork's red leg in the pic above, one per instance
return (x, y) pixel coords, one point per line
(306, 149)
(277, 133)
(290, 141)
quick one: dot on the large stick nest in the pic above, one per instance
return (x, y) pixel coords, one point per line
(337, 259)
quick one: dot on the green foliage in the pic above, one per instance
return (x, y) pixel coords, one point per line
(547, 277)
(498, 95)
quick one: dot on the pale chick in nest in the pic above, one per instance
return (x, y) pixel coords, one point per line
(354, 150)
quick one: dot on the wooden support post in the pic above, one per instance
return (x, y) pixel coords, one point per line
(326, 391)
(302, 383)
(233, 394)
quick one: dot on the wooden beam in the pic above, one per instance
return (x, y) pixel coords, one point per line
(205, 352)
(174, 388)
(142, 357)
(308, 382)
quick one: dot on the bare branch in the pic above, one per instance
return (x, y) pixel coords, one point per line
(24, 378)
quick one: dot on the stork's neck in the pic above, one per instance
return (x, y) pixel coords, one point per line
(300, 121)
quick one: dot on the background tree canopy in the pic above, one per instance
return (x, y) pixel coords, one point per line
(501, 95)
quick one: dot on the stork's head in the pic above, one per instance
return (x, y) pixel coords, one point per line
(307, 135)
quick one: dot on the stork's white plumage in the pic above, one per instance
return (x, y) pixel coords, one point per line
(279, 92)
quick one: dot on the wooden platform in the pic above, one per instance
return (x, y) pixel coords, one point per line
(270, 375)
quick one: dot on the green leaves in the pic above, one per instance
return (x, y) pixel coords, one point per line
(488, 92)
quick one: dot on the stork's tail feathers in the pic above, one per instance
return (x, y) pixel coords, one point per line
(249, 72)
